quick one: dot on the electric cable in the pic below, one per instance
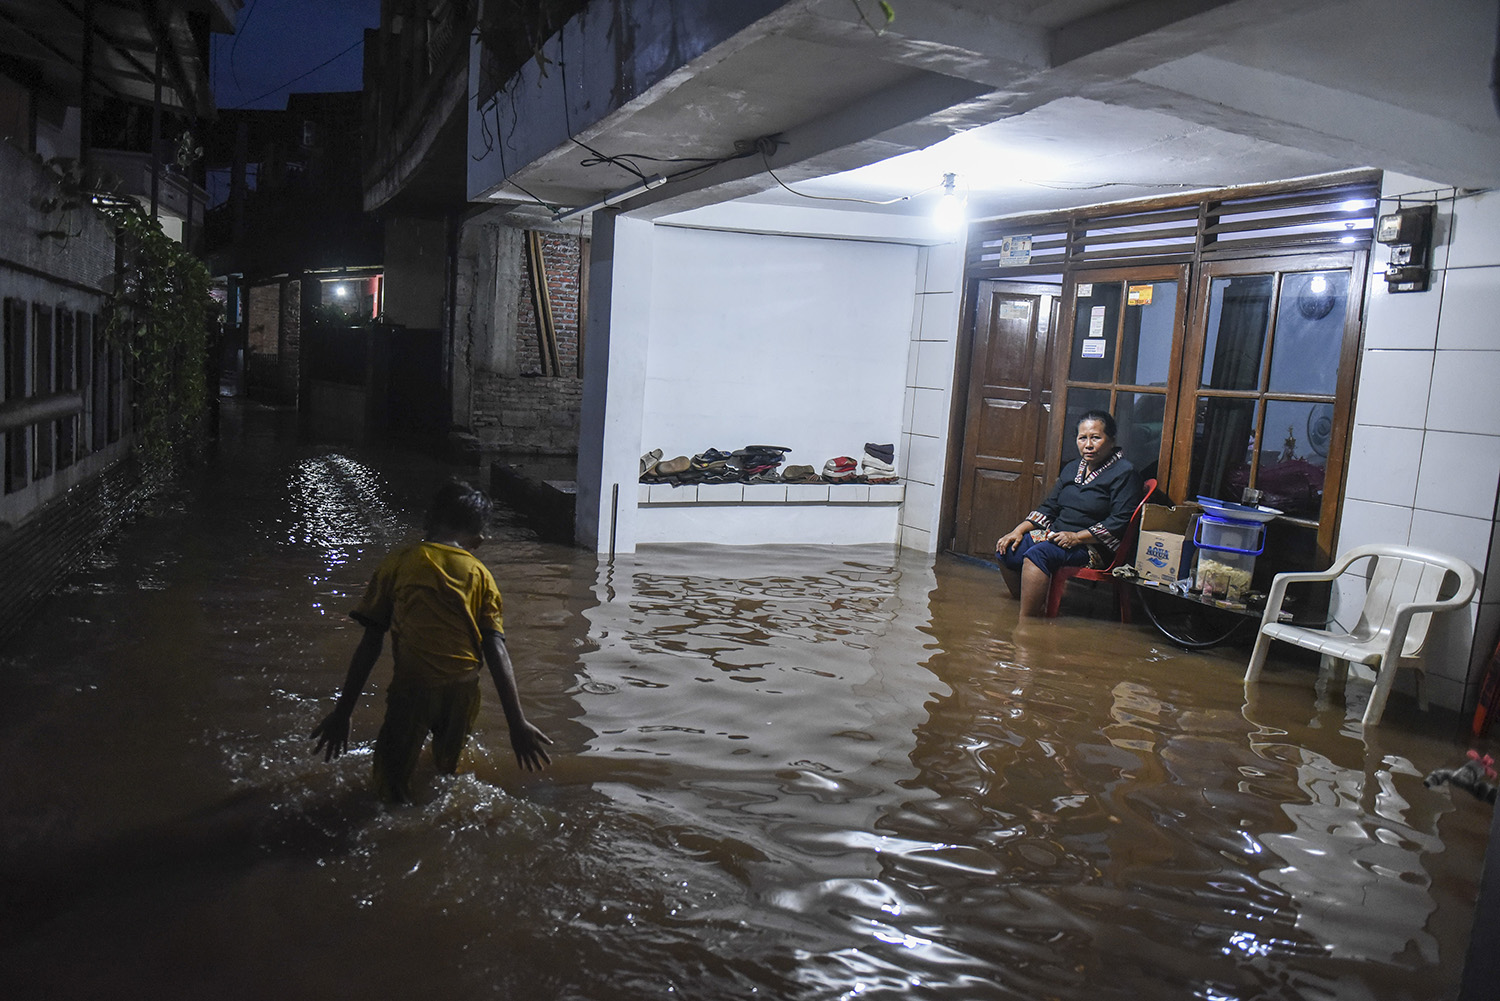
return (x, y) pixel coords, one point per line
(238, 34)
(839, 198)
(310, 72)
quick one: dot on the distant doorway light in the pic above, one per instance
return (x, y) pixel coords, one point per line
(342, 291)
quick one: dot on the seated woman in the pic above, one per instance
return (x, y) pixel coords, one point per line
(1079, 523)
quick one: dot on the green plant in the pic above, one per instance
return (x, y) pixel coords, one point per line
(885, 9)
(162, 314)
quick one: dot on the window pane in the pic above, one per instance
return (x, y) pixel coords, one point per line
(1294, 455)
(1140, 418)
(1239, 311)
(1080, 401)
(1094, 326)
(1222, 440)
(1146, 345)
(1309, 332)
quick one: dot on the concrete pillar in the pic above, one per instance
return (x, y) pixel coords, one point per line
(614, 383)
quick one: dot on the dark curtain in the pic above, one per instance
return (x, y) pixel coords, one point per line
(1228, 424)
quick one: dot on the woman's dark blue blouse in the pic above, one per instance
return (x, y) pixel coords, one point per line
(1100, 502)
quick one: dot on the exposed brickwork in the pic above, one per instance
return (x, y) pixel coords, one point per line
(561, 254)
(527, 414)
(274, 360)
(38, 554)
(511, 406)
(290, 368)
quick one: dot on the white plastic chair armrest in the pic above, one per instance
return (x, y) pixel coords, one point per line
(1277, 595)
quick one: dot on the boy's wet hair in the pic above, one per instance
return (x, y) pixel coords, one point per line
(457, 506)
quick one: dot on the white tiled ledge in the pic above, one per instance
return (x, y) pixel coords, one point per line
(662, 494)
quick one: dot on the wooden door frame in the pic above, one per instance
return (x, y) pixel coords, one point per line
(1357, 261)
(1182, 274)
(963, 375)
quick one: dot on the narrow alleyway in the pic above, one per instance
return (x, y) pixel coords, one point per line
(791, 773)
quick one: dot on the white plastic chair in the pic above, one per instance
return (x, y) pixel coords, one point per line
(1403, 591)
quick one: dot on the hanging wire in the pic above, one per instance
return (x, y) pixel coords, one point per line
(300, 76)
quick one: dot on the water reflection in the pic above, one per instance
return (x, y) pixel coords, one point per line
(792, 773)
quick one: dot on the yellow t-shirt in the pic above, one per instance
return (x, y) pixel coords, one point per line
(437, 601)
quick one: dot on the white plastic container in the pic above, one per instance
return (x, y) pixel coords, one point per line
(1226, 555)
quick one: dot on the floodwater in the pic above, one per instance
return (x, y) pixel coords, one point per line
(812, 773)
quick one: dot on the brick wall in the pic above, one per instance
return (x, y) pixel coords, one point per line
(561, 255)
(511, 406)
(274, 360)
(38, 554)
(290, 367)
(527, 414)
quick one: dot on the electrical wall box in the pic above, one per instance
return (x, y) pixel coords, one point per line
(1408, 232)
(1411, 225)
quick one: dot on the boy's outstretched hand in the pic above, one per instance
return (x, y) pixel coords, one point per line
(526, 740)
(332, 734)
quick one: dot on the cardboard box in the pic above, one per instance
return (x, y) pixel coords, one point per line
(1164, 547)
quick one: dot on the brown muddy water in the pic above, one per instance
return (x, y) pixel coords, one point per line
(810, 773)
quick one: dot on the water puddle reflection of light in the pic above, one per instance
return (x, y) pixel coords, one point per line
(799, 774)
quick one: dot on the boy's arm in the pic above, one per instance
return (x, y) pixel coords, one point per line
(525, 739)
(333, 732)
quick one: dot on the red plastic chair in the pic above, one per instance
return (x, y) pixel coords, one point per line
(1123, 555)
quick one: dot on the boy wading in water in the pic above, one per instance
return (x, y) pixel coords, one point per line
(442, 608)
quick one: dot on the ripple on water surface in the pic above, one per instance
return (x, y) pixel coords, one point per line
(786, 773)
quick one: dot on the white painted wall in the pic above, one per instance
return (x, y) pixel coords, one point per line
(719, 338)
(778, 341)
(1424, 458)
(775, 340)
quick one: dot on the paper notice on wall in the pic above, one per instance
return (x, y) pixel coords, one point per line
(1139, 295)
(1010, 309)
(1015, 251)
(1085, 290)
(1096, 321)
(1093, 347)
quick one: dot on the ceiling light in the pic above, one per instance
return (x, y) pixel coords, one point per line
(949, 213)
(614, 198)
(340, 291)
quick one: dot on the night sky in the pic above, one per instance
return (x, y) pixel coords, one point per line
(276, 42)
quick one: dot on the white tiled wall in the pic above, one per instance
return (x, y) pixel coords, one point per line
(929, 393)
(1424, 460)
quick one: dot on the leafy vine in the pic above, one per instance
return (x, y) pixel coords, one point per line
(162, 315)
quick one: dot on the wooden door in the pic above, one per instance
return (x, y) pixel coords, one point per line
(1007, 426)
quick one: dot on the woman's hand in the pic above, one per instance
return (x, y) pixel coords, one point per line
(1010, 540)
(1070, 540)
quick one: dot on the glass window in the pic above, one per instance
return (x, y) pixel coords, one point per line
(1080, 401)
(1239, 315)
(1223, 446)
(1140, 417)
(1095, 326)
(1309, 333)
(1146, 341)
(1294, 455)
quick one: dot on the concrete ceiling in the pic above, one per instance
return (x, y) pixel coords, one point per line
(1052, 104)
